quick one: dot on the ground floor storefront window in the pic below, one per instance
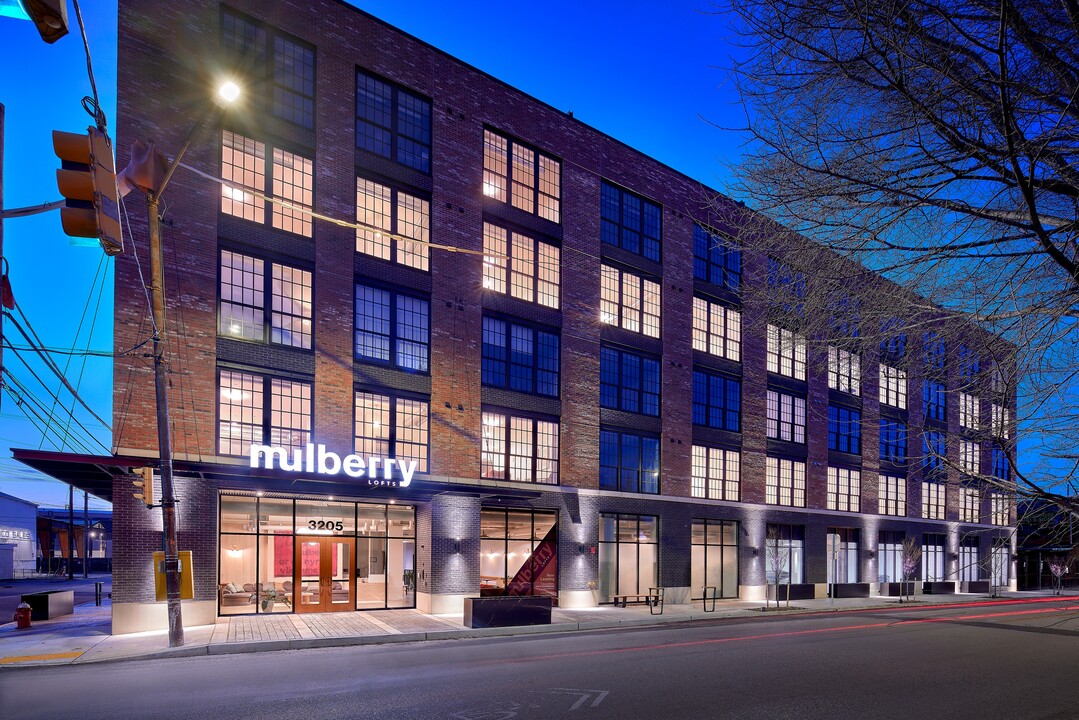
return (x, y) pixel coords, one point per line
(968, 560)
(890, 556)
(628, 554)
(933, 557)
(714, 546)
(999, 562)
(842, 548)
(784, 556)
(284, 554)
(518, 552)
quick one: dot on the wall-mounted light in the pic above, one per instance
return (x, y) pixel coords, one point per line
(235, 551)
(871, 553)
(457, 546)
(582, 548)
(754, 551)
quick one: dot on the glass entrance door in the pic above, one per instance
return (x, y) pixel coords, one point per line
(325, 574)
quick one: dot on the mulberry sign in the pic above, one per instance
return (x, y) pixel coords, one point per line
(317, 460)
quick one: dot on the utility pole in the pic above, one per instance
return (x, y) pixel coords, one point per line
(85, 534)
(70, 532)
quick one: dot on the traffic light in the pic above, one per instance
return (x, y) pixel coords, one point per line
(144, 485)
(50, 16)
(87, 180)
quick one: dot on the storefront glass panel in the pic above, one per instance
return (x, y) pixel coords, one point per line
(714, 558)
(518, 552)
(628, 555)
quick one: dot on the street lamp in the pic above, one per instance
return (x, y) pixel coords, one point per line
(227, 93)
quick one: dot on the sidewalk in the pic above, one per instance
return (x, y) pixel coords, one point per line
(85, 636)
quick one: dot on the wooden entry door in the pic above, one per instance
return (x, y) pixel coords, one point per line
(324, 574)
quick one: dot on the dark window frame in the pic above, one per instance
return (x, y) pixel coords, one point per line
(717, 258)
(705, 411)
(893, 440)
(507, 360)
(396, 90)
(507, 454)
(392, 396)
(394, 336)
(620, 226)
(267, 300)
(619, 469)
(845, 429)
(621, 389)
(266, 420)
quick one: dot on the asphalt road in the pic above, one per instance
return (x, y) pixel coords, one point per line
(12, 590)
(1015, 660)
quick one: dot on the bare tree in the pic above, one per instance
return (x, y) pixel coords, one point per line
(933, 142)
(912, 555)
(777, 564)
(1058, 566)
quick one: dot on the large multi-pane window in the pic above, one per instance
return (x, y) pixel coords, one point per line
(933, 453)
(628, 462)
(893, 440)
(244, 170)
(521, 266)
(519, 357)
(628, 554)
(999, 509)
(969, 457)
(890, 556)
(893, 387)
(892, 496)
(716, 473)
(844, 489)
(244, 416)
(518, 552)
(786, 417)
(969, 561)
(785, 482)
(933, 501)
(1000, 421)
(630, 222)
(969, 365)
(933, 400)
(717, 401)
(392, 328)
(999, 463)
(844, 371)
(846, 318)
(786, 353)
(629, 301)
(842, 553)
(395, 225)
(243, 312)
(786, 288)
(393, 122)
(629, 381)
(894, 343)
(784, 554)
(716, 259)
(844, 429)
(999, 562)
(388, 426)
(933, 349)
(521, 176)
(933, 557)
(717, 329)
(970, 504)
(522, 449)
(714, 559)
(290, 66)
(968, 411)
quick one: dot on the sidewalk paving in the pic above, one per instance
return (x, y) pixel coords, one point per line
(85, 636)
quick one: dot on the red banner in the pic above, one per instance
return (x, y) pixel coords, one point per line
(539, 573)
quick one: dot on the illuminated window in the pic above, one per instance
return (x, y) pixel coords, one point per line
(629, 381)
(784, 554)
(786, 353)
(933, 501)
(628, 462)
(786, 417)
(1001, 421)
(242, 419)
(893, 441)
(629, 221)
(717, 329)
(844, 371)
(970, 505)
(392, 328)
(893, 387)
(534, 266)
(844, 429)
(717, 401)
(393, 122)
(398, 224)
(844, 489)
(521, 449)
(785, 482)
(243, 166)
(395, 427)
(969, 411)
(629, 301)
(519, 357)
(892, 496)
(717, 259)
(290, 68)
(968, 457)
(1000, 509)
(716, 473)
(243, 311)
(517, 174)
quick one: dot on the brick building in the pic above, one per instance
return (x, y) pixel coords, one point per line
(483, 348)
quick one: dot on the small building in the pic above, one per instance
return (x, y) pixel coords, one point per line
(18, 536)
